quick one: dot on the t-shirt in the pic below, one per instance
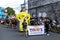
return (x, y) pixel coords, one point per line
(46, 24)
(24, 24)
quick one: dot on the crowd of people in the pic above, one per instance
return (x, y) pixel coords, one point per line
(48, 23)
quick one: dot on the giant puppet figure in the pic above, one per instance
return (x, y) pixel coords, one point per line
(21, 16)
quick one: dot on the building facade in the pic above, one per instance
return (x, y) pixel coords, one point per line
(44, 8)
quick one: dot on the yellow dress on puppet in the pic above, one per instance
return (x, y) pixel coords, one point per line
(20, 17)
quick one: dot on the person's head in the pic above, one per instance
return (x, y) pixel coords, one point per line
(35, 23)
(23, 9)
(40, 19)
(45, 19)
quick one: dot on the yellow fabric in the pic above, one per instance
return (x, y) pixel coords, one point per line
(17, 16)
(21, 15)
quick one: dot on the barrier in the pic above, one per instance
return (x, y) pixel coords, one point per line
(36, 30)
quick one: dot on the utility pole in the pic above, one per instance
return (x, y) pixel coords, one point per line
(25, 3)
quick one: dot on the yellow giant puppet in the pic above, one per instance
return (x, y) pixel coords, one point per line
(20, 17)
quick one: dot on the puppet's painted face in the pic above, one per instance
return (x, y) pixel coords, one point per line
(23, 9)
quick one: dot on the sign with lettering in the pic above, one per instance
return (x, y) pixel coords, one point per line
(36, 30)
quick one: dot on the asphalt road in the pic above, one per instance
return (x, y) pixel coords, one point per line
(12, 34)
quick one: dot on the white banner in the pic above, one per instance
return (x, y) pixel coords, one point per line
(36, 30)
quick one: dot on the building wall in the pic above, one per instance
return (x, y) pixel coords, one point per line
(50, 7)
(36, 3)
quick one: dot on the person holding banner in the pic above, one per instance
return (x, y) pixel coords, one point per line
(21, 16)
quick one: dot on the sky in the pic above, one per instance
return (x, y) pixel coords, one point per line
(15, 4)
(11, 3)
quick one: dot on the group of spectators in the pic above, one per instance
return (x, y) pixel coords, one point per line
(11, 21)
(47, 22)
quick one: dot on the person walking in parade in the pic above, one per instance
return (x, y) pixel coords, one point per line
(24, 27)
(46, 23)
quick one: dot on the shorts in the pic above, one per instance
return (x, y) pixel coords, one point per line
(24, 28)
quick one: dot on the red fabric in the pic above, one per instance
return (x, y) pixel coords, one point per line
(56, 28)
(13, 26)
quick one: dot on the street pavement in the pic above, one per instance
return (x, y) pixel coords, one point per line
(12, 34)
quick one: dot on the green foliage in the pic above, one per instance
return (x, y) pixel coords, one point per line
(10, 11)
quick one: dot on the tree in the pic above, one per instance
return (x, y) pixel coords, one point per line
(10, 11)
